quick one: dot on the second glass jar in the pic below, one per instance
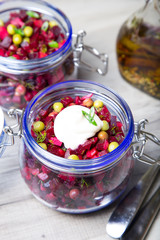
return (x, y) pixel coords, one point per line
(21, 80)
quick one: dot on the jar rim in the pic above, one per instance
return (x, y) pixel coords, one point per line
(79, 165)
(31, 62)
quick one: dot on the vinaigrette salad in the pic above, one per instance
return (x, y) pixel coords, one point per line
(71, 191)
(86, 126)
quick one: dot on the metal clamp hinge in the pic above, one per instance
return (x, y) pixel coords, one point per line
(10, 131)
(141, 138)
(79, 48)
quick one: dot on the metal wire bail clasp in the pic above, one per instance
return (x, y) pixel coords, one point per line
(142, 137)
(16, 129)
(79, 48)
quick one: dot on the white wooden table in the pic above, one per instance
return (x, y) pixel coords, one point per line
(22, 217)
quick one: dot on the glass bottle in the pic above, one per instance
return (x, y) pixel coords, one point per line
(138, 49)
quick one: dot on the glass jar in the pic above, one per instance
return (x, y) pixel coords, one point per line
(35, 74)
(99, 181)
(138, 49)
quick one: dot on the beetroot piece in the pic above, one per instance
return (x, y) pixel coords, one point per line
(66, 101)
(17, 22)
(104, 114)
(3, 32)
(6, 42)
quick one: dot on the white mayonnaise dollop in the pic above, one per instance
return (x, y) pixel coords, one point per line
(72, 128)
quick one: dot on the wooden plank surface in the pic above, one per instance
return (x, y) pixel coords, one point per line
(22, 217)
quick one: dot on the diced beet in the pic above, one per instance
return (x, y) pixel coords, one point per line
(31, 163)
(117, 138)
(43, 113)
(104, 114)
(61, 152)
(49, 130)
(23, 15)
(2, 52)
(92, 152)
(35, 171)
(13, 48)
(3, 33)
(38, 23)
(45, 169)
(34, 135)
(63, 177)
(16, 56)
(28, 96)
(101, 153)
(50, 197)
(56, 31)
(17, 22)
(48, 121)
(55, 141)
(14, 15)
(119, 125)
(26, 173)
(42, 55)
(80, 150)
(33, 55)
(16, 99)
(87, 96)
(6, 42)
(43, 176)
(21, 52)
(102, 145)
(43, 189)
(25, 45)
(56, 150)
(66, 101)
(54, 184)
(78, 100)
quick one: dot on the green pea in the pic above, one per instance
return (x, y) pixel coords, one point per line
(28, 31)
(73, 157)
(43, 145)
(52, 23)
(17, 39)
(38, 126)
(105, 125)
(57, 106)
(26, 39)
(11, 29)
(112, 146)
(98, 104)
